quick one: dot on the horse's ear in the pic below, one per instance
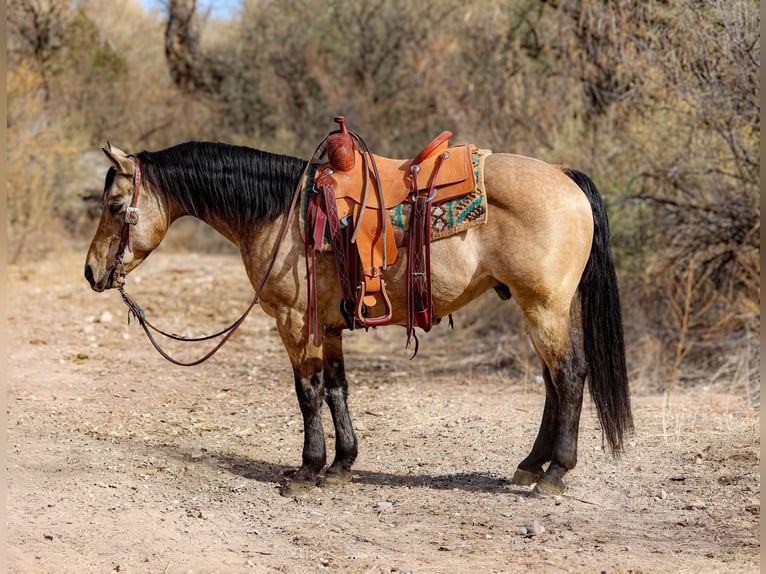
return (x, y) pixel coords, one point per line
(119, 159)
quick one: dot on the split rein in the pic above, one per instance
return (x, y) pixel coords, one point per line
(134, 310)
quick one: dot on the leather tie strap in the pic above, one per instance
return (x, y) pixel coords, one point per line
(420, 307)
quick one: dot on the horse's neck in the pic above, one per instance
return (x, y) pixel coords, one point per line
(262, 231)
(230, 231)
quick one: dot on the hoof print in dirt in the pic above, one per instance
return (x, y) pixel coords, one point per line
(331, 478)
(299, 488)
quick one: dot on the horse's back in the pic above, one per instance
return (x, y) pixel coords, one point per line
(532, 189)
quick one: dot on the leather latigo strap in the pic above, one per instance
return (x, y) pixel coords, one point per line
(326, 188)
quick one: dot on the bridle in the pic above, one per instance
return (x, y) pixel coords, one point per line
(135, 310)
(131, 220)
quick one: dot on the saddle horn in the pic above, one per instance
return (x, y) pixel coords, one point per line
(340, 147)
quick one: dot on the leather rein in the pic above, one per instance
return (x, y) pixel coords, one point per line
(126, 242)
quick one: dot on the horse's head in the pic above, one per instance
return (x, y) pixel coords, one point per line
(133, 222)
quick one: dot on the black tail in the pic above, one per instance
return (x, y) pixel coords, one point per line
(604, 342)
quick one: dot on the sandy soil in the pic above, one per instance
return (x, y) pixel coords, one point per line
(121, 462)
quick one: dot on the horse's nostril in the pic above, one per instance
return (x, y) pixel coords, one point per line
(89, 275)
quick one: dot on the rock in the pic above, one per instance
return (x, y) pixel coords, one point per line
(106, 317)
(521, 531)
(383, 505)
(696, 504)
(535, 528)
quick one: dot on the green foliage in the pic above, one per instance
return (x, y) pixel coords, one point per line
(108, 65)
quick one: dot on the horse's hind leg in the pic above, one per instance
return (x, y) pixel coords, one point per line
(336, 393)
(564, 373)
(530, 470)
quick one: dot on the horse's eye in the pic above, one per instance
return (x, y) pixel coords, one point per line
(116, 208)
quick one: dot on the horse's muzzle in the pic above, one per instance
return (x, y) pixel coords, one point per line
(99, 286)
(89, 277)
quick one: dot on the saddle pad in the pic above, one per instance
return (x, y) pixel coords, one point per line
(447, 218)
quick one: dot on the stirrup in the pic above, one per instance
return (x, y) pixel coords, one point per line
(347, 310)
(373, 321)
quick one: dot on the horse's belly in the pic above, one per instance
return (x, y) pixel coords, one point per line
(456, 277)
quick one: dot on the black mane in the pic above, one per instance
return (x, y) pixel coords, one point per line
(241, 184)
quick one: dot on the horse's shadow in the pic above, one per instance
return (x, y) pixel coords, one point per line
(270, 472)
(263, 471)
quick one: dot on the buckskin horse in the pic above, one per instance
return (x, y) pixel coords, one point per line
(545, 244)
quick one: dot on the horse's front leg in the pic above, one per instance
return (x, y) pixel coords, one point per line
(306, 361)
(309, 388)
(336, 394)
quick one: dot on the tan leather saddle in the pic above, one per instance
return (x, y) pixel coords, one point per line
(352, 192)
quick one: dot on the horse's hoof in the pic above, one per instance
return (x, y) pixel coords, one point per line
(547, 487)
(524, 477)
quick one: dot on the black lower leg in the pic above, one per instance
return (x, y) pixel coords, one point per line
(570, 380)
(531, 468)
(309, 388)
(336, 395)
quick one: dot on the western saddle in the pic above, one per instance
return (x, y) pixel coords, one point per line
(352, 193)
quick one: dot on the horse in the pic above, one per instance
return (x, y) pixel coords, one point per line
(545, 245)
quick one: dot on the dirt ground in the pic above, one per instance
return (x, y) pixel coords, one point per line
(121, 462)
